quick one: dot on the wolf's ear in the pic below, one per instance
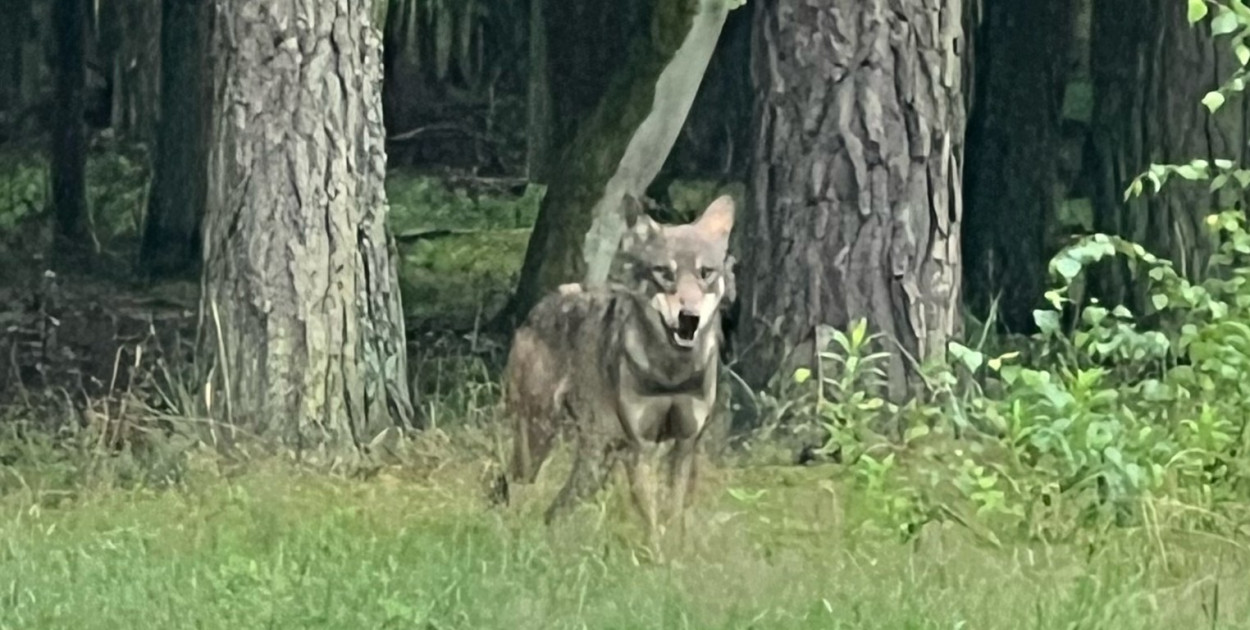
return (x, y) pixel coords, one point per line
(639, 225)
(717, 221)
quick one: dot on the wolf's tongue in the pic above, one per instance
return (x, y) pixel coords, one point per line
(687, 325)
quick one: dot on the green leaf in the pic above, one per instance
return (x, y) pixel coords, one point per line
(1067, 267)
(1197, 10)
(969, 357)
(801, 375)
(1224, 23)
(1243, 53)
(915, 432)
(1134, 189)
(1213, 101)
(1047, 321)
(1190, 172)
(1159, 300)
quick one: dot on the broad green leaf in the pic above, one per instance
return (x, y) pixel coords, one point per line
(1067, 267)
(1047, 321)
(915, 432)
(969, 357)
(1213, 101)
(1224, 23)
(1243, 53)
(801, 375)
(1159, 300)
(1190, 172)
(1197, 10)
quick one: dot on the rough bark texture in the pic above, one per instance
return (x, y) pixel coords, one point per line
(1149, 74)
(1015, 146)
(299, 267)
(856, 185)
(618, 147)
(171, 235)
(69, 139)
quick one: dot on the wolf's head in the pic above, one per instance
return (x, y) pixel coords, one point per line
(680, 270)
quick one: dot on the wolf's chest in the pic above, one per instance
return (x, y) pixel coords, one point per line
(656, 412)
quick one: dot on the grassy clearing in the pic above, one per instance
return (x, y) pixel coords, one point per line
(273, 547)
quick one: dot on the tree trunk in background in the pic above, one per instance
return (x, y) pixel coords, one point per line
(299, 266)
(130, 44)
(69, 139)
(171, 235)
(1149, 74)
(715, 143)
(1015, 154)
(11, 37)
(856, 201)
(538, 98)
(610, 143)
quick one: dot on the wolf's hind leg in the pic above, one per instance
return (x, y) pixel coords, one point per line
(589, 475)
(532, 441)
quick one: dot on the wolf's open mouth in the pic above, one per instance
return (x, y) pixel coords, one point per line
(687, 326)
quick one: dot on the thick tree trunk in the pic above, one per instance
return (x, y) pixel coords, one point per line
(616, 149)
(856, 188)
(69, 139)
(1015, 150)
(171, 235)
(1149, 74)
(299, 266)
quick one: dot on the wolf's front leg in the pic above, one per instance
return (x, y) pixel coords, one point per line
(681, 482)
(641, 472)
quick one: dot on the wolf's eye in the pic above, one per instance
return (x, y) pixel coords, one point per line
(662, 272)
(706, 273)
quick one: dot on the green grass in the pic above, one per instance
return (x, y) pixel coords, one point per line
(448, 280)
(277, 548)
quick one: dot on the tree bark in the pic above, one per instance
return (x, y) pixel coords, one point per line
(1149, 74)
(1013, 184)
(69, 138)
(299, 267)
(171, 235)
(618, 147)
(856, 203)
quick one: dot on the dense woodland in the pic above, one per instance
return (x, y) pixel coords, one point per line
(991, 272)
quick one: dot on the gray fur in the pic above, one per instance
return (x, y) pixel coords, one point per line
(621, 370)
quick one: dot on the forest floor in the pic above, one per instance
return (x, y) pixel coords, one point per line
(98, 533)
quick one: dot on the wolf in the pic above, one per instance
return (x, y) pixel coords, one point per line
(628, 370)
